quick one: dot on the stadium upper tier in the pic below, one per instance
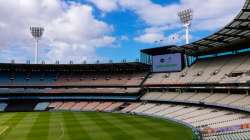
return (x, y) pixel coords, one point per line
(125, 75)
(68, 90)
(70, 79)
(218, 70)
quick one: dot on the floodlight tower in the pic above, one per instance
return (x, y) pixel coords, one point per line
(186, 17)
(37, 33)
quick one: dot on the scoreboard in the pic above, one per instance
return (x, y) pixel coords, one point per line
(167, 62)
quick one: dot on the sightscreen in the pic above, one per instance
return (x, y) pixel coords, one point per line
(167, 62)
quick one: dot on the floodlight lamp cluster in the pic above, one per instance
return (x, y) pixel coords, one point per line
(37, 32)
(186, 16)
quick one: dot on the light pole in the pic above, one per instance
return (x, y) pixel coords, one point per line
(37, 33)
(186, 18)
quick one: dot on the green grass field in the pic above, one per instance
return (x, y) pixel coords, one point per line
(88, 126)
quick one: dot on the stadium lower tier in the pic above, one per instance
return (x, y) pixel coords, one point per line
(212, 123)
(234, 101)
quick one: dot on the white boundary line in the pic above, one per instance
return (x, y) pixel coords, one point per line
(3, 130)
(62, 129)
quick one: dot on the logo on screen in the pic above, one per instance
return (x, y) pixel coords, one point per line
(162, 60)
(168, 59)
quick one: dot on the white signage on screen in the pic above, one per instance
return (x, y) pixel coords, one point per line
(167, 63)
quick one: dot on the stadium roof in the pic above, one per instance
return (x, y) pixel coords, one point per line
(234, 36)
(162, 50)
(108, 67)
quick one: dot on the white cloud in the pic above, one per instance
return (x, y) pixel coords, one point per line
(155, 34)
(105, 5)
(72, 52)
(159, 15)
(213, 14)
(159, 38)
(150, 37)
(71, 30)
(152, 14)
(124, 38)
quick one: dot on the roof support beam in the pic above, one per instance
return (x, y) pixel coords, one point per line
(213, 40)
(193, 48)
(231, 35)
(238, 28)
(246, 10)
(242, 20)
(204, 45)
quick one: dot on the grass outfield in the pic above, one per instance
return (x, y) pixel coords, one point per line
(88, 126)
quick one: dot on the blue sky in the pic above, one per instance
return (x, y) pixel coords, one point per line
(127, 23)
(93, 30)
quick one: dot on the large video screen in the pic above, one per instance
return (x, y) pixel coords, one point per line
(167, 62)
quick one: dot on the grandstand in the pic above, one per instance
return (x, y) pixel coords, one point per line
(212, 92)
(209, 95)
